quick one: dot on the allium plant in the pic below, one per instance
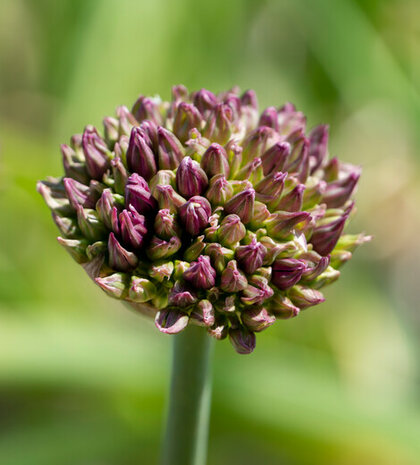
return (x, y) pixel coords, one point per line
(203, 211)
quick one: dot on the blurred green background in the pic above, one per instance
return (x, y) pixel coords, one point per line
(82, 380)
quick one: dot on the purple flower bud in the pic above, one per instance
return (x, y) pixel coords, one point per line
(292, 201)
(220, 190)
(298, 162)
(201, 274)
(119, 174)
(76, 248)
(219, 256)
(74, 167)
(331, 170)
(234, 156)
(190, 178)
(181, 295)
(205, 101)
(140, 157)
(171, 321)
(338, 192)
(105, 205)
(231, 230)
(325, 236)
(203, 314)
(168, 199)
(242, 204)
(257, 291)
(186, 118)
(249, 98)
(290, 120)
(96, 153)
(159, 248)
(89, 223)
(125, 120)
(233, 280)
(305, 297)
(54, 194)
(261, 214)
(282, 307)
(132, 228)
(119, 258)
(137, 194)
(315, 265)
(166, 225)
(287, 272)
(115, 285)
(146, 109)
(161, 271)
(257, 318)
(170, 150)
(141, 290)
(195, 249)
(252, 171)
(270, 118)
(270, 187)
(195, 214)
(67, 226)
(257, 142)
(110, 130)
(281, 224)
(162, 178)
(318, 145)
(214, 161)
(242, 340)
(251, 256)
(274, 159)
(218, 127)
(78, 194)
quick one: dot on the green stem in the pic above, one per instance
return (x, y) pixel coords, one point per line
(189, 402)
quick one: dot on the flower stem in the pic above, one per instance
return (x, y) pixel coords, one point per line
(187, 424)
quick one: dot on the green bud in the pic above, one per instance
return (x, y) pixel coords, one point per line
(115, 285)
(162, 271)
(195, 249)
(141, 290)
(76, 248)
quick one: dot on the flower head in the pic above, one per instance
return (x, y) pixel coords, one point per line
(204, 211)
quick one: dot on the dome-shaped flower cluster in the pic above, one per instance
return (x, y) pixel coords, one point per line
(203, 211)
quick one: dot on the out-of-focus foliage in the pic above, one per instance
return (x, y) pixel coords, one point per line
(83, 380)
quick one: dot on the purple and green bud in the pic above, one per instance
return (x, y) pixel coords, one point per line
(89, 224)
(274, 159)
(251, 256)
(242, 340)
(115, 285)
(140, 157)
(76, 248)
(68, 226)
(201, 274)
(214, 161)
(257, 318)
(195, 215)
(287, 272)
(191, 180)
(219, 191)
(119, 174)
(195, 249)
(171, 321)
(120, 258)
(111, 132)
(105, 205)
(338, 192)
(232, 279)
(137, 194)
(159, 249)
(74, 167)
(219, 256)
(170, 150)
(242, 204)
(281, 224)
(168, 198)
(219, 124)
(203, 314)
(186, 118)
(132, 228)
(146, 108)
(318, 146)
(166, 225)
(282, 307)
(231, 230)
(257, 291)
(141, 290)
(161, 271)
(181, 295)
(96, 153)
(305, 297)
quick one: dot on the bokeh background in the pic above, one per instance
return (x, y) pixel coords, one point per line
(82, 380)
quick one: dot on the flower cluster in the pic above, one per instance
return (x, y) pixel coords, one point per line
(203, 211)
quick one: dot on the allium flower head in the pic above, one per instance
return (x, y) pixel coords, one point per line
(204, 211)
